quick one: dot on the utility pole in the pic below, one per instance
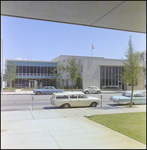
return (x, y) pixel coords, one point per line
(2, 67)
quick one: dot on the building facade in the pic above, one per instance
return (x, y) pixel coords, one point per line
(33, 74)
(142, 57)
(95, 71)
(98, 71)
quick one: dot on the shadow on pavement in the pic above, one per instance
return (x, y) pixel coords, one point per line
(57, 107)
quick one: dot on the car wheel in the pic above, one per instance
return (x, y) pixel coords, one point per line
(66, 105)
(98, 92)
(38, 93)
(94, 104)
(86, 92)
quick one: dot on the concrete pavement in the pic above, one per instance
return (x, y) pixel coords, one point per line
(63, 129)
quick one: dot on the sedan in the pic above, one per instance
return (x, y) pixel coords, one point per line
(138, 98)
(73, 99)
(47, 90)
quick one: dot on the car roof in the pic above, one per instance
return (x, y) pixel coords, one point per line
(68, 93)
(134, 92)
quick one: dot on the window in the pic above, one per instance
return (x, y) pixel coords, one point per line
(62, 97)
(139, 95)
(81, 96)
(81, 68)
(73, 96)
(20, 69)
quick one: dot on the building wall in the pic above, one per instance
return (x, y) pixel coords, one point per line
(33, 74)
(91, 69)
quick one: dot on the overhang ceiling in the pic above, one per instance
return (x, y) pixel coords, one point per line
(117, 15)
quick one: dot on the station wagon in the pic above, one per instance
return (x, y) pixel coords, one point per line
(73, 99)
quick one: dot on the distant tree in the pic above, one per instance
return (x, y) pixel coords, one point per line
(57, 72)
(131, 71)
(79, 81)
(144, 76)
(72, 70)
(10, 71)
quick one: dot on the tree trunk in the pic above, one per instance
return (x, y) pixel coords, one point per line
(10, 84)
(131, 94)
(72, 86)
(57, 83)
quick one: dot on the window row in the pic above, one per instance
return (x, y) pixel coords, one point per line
(110, 75)
(27, 83)
(34, 69)
(47, 64)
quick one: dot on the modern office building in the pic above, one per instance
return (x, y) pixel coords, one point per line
(33, 74)
(98, 71)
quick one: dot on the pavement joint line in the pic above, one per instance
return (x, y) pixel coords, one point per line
(54, 139)
(31, 112)
(62, 114)
(75, 122)
(69, 118)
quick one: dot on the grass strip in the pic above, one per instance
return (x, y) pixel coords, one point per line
(132, 125)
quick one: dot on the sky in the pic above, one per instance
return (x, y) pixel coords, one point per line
(29, 39)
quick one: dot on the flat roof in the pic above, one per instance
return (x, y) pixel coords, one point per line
(28, 60)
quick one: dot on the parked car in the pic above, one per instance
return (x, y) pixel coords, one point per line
(47, 90)
(73, 99)
(92, 89)
(138, 98)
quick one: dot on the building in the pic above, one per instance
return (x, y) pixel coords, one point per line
(98, 71)
(33, 74)
(142, 56)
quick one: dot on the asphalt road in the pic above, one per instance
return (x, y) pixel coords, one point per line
(40, 102)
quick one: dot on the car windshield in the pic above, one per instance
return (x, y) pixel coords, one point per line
(126, 94)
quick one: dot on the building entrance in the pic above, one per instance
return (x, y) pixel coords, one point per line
(32, 84)
(120, 85)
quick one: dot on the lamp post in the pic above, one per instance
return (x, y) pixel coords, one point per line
(2, 67)
(92, 53)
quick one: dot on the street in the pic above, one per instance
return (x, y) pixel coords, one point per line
(39, 102)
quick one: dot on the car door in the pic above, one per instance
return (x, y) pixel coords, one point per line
(82, 100)
(44, 90)
(92, 90)
(73, 101)
(50, 90)
(139, 99)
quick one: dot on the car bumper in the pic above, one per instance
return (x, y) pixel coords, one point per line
(115, 100)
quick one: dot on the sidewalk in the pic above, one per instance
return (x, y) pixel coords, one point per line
(63, 129)
(31, 92)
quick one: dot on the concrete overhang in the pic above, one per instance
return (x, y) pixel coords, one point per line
(118, 15)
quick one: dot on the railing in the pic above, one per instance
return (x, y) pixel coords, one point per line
(33, 74)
